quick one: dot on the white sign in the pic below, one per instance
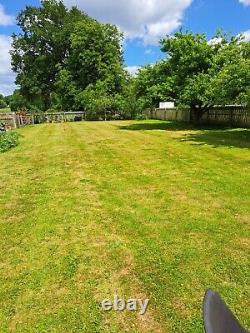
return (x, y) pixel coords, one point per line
(166, 105)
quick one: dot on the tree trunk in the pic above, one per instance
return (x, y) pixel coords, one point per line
(196, 114)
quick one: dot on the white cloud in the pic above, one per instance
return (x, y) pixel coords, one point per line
(145, 19)
(246, 35)
(133, 70)
(7, 77)
(215, 41)
(245, 2)
(4, 18)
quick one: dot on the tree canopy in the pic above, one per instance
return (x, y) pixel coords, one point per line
(3, 103)
(60, 52)
(66, 60)
(197, 73)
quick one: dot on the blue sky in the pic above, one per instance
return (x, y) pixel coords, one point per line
(143, 22)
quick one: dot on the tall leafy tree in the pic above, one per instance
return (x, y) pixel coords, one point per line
(96, 55)
(42, 45)
(189, 56)
(154, 84)
(60, 47)
(208, 73)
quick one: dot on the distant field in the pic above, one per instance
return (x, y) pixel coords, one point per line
(5, 110)
(147, 209)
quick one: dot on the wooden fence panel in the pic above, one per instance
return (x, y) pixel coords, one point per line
(16, 120)
(9, 120)
(231, 116)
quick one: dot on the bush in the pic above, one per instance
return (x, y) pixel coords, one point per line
(8, 140)
(3, 105)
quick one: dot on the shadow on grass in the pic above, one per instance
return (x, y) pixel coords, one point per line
(205, 135)
(158, 125)
(231, 138)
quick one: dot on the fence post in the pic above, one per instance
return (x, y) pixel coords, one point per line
(18, 120)
(231, 117)
(14, 120)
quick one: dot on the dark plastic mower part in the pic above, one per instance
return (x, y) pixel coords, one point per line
(218, 318)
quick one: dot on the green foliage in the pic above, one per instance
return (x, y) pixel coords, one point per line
(8, 140)
(96, 101)
(101, 104)
(64, 96)
(198, 73)
(7, 99)
(66, 60)
(3, 103)
(231, 73)
(129, 102)
(17, 101)
(96, 55)
(60, 52)
(42, 45)
(154, 83)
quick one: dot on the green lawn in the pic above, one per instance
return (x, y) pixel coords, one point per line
(6, 110)
(148, 209)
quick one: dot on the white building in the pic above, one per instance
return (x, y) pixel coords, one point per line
(166, 105)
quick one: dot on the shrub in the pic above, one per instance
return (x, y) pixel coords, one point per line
(8, 140)
(3, 105)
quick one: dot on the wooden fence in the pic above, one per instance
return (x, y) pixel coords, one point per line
(231, 116)
(13, 120)
(9, 120)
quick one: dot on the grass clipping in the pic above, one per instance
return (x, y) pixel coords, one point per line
(8, 140)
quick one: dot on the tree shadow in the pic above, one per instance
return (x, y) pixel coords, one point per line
(231, 138)
(159, 125)
(204, 134)
(169, 125)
